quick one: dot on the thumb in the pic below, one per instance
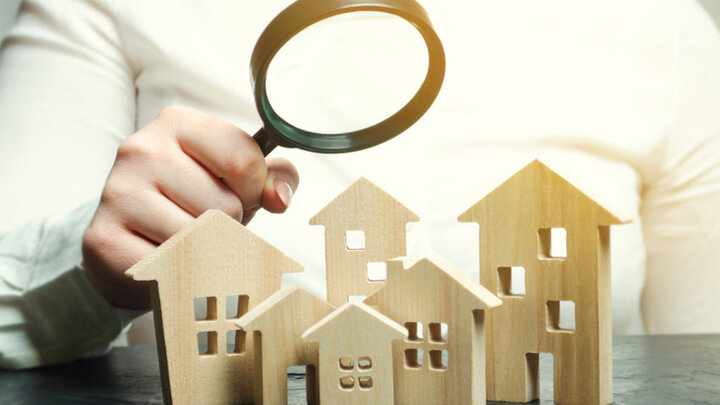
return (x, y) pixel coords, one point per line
(281, 183)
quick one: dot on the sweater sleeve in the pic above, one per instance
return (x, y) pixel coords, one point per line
(67, 99)
(680, 212)
(49, 312)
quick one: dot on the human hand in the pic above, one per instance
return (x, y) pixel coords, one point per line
(165, 175)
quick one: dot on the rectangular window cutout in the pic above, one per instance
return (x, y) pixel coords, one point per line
(364, 363)
(300, 377)
(539, 367)
(365, 382)
(438, 332)
(356, 297)
(560, 316)
(438, 359)
(376, 272)
(347, 382)
(311, 386)
(552, 243)
(413, 358)
(236, 341)
(546, 373)
(346, 363)
(236, 306)
(415, 331)
(355, 240)
(205, 308)
(511, 281)
(207, 343)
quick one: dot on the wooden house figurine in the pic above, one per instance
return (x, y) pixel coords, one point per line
(364, 227)
(442, 360)
(355, 355)
(278, 324)
(218, 261)
(523, 224)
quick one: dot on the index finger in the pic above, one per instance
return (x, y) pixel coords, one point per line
(226, 151)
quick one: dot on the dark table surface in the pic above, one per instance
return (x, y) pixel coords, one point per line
(648, 370)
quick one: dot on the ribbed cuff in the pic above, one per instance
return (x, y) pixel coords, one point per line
(51, 313)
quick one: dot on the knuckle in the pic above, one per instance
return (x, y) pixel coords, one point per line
(115, 191)
(231, 205)
(243, 164)
(135, 147)
(97, 240)
(172, 113)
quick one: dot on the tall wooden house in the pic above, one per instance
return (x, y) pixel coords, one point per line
(442, 361)
(364, 227)
(215, 260)
(539, 227)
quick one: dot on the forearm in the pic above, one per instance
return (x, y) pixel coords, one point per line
(50, 312)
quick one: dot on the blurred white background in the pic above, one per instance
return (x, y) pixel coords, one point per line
(8, 9)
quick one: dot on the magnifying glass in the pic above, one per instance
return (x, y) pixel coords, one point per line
(300, 15)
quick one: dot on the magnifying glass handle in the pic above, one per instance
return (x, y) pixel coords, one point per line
(264, 142)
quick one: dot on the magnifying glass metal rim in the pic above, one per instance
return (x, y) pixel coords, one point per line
(302, 14)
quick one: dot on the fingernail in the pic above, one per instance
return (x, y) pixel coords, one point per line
(284, 191)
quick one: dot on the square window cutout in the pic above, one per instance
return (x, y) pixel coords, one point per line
(511, 281)
(236, 341)
(438, 332)
(365, 363)
(355, 240)
(560, 316)
(205, 308)
(413, 358)
(376, 272)
(552, 243)
(347, 382)
(207, 343)
(415, 331)
(236, 306)
(365, 382)
(438, 359)
(346, 363)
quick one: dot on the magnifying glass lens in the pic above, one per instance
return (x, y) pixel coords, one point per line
(303, 14)
(347, 72)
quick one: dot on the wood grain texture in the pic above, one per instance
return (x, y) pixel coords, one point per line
(355, 355)
(278, 324)
(214, 257)
(361, 207)
(422, 295)
(514, 220)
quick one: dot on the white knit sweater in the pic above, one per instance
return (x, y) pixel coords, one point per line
(620, 97)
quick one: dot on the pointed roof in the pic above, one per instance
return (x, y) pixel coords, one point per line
(352, 317)
(290, 295)
(407, 275)
(216, 229)
(358, 201)
(528, 181)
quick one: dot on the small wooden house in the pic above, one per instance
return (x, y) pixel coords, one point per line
(278, 324)
(539, 228)
(218, 261)
(442, 361)
(364, 227)
(355, 355)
